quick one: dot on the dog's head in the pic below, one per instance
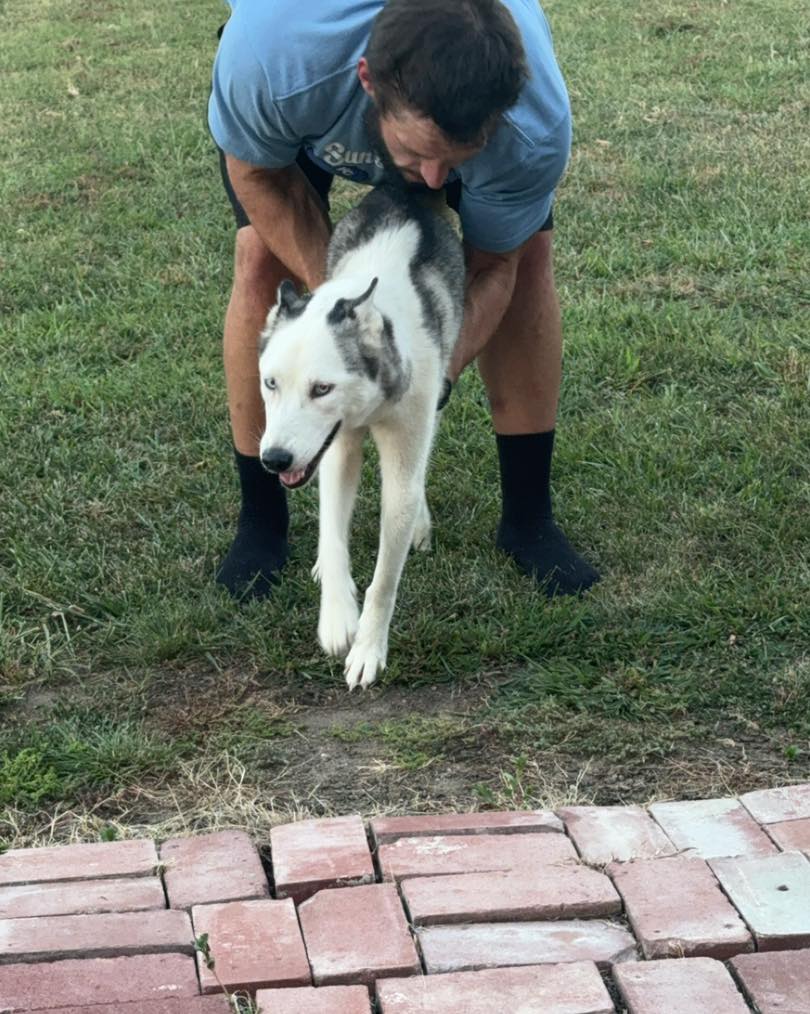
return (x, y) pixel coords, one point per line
(319, 365)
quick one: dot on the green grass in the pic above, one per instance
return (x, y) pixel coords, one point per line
(683, 230)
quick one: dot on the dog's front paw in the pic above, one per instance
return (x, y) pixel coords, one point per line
(337, 623)
(365, 660)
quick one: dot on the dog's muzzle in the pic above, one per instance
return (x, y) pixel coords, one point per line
(278, 460)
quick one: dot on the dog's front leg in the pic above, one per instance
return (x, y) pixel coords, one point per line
(403, 464)
(339, 479)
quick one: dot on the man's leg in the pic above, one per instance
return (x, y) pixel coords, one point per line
(521, 367)
(259, 549)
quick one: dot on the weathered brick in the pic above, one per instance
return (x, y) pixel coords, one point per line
(311, 855)
(603, 834)
(425, 857)
(357, 935)
(309, 1000)
(109, 935)
(574, 988)
(771, 806)
(772, 893)
(791, 835)
(108, 981)
(77, 897)
(486, 945)
(678, 987)
(254, 944)
(711, 828)
(223, 866)
(189, 1005)
(677, 909)
(388, 829)
(777, 982)
(135, 858)
(545, 892)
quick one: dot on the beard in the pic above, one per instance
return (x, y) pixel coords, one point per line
(392, 174)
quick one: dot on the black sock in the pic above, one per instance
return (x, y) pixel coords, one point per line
(259, 550)
(527, 531)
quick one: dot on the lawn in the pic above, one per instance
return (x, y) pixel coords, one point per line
(135, 697)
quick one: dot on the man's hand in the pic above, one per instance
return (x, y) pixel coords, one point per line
(490, 284)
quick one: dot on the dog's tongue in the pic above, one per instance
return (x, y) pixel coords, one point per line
(291, 478)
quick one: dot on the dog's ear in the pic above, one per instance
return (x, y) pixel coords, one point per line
(289, 303)
(346, 309)
(267, 330)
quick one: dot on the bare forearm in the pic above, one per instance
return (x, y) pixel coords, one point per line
(489, 292)
(286, 212)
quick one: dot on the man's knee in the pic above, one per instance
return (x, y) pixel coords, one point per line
(536, 256)
(256, 269)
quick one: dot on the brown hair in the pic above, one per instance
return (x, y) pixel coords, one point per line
(459, 62)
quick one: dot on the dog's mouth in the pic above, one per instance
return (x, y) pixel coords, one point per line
(301, 476)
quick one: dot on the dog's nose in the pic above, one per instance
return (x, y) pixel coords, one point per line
(276, 459)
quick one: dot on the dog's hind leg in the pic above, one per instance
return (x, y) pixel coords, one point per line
(339, 479)
(403, 462)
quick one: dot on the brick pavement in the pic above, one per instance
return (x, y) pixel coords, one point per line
(680, 907)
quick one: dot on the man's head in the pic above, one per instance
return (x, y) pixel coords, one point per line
(441, 73)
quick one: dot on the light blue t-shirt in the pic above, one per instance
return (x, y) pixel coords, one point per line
(285, 78)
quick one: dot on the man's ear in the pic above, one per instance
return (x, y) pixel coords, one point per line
(365, 76)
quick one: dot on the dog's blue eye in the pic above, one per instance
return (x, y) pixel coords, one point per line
(319, 390)
(270, 384)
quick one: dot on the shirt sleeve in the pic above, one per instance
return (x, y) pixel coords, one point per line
(501, 211)
(243, 118)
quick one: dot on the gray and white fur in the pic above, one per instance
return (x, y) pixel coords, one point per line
(367, 351)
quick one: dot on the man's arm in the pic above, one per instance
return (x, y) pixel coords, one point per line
(287, 213)
(489, 287)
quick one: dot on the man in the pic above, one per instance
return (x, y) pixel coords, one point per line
(460, 94)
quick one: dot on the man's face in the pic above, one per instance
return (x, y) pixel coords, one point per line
(419, 150)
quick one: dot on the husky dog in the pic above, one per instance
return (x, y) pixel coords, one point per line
(368, 350)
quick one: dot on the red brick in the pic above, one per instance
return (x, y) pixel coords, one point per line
(486, 945)
(81, 897)
(223, 866)
(190, 1005)
(136, 858)
(574, 988)
(387, 829)
(109, 981)
(603, 834)
(771, 806)
(711, 828)
(315, 854)
(357, 935)
(545, 892)
(309, 1000)
(678, 987)
(113, 934)
(772, 894)
(677, 909)
(425, 857)
(254, 944)
(777, 982)
(791, 835)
